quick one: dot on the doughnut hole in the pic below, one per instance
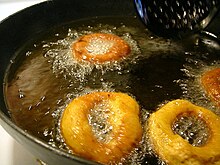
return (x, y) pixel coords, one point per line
(98, 120)
(191, 128)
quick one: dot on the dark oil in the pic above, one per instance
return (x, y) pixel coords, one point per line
(43, 77)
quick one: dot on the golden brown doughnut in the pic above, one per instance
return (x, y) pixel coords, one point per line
(211, 83)
(123, 117)
(175, 150)
(100, 48)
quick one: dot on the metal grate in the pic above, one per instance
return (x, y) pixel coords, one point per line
(177, 14)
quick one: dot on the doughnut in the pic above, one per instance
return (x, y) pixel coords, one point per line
(122, 115)
(210, 81)
(100, 48)
(171, 147)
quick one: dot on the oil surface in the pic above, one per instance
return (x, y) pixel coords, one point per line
(44, 77)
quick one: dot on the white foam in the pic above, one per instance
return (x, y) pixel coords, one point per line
(191, 86)
(99, 46)
(64, 63)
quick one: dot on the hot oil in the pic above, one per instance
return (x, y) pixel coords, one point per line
(192, 128)
(203, 57)
(62, 57)
(157, 71)
(98, 119)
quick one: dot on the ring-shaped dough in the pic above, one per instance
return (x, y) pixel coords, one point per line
(100, 48)
(175, 150)
(211, 83)
(123, 117)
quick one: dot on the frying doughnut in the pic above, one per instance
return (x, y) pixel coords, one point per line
(171, 147)
(100, 48)
(123, 116)
(211, 83)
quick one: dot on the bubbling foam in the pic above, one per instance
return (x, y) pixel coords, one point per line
(63, 62)
(192, 128)
(191, 85)
(99, 46)
(98, 120)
